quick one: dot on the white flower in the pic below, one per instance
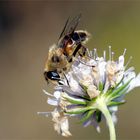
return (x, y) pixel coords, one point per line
(92, 85)
(134, 83)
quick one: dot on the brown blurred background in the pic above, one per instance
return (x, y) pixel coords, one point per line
(27, 29)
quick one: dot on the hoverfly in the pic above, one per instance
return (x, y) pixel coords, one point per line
(60, 55)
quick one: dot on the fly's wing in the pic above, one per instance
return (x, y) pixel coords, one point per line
(70, 26)
(64, 29)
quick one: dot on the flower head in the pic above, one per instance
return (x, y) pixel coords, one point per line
(92, 87)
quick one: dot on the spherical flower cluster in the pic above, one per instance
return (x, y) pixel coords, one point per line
(92, 90)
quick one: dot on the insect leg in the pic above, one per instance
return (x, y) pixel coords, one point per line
(83, 51)
(74, 53)
(79, 46)
(77, 49)
(66, 78)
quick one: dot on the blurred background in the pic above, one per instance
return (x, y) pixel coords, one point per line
(27, 29)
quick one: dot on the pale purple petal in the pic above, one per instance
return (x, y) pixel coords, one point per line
(53, 102)
(121, 62)
(134, 83)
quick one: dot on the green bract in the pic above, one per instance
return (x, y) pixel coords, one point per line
(94, 87)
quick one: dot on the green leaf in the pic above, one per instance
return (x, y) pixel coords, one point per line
(119, 91)
(113, 103)
(75, 100)
(98, 115)
(109, 91)
(92, 102)
(87, 116)
(101, 86)
(112, 88)
(123, 92)
(77, 110)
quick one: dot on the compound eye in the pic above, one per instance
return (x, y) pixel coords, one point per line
(75, 36)
(52, 75)
(82, 36)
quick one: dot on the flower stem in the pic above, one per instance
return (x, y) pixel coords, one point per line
(101, 105)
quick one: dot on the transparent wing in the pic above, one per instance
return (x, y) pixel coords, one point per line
(70, 26)
(63, 31)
